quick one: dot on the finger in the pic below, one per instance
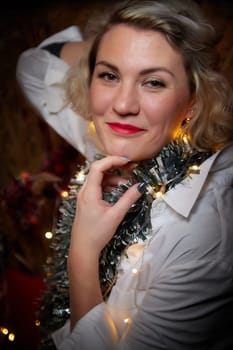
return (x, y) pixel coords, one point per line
(130, 166)
(128, 199)
(98, 169)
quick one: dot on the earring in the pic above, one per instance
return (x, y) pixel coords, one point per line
(190, 114)
(186, 121)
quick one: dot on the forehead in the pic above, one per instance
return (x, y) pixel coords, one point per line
(125, 43)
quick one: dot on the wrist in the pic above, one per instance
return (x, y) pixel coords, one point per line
(83, 261)
(54, 48)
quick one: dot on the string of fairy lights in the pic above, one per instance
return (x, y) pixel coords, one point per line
(183, 161)
(7, 333)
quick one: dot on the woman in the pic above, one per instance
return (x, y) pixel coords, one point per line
(150, 262)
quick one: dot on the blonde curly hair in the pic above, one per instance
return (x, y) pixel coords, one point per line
(211, 125)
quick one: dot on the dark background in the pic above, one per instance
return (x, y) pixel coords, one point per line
(30, 150)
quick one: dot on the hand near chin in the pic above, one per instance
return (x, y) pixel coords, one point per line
(96, 220)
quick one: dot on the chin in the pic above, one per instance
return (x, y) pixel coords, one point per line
(132, 156)
(129, 152)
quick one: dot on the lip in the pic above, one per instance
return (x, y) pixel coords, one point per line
(125, 129)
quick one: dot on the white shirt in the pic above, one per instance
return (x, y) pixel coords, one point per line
(176, 291)
(41, 76)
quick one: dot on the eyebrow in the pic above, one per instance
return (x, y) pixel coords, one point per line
(143, 72)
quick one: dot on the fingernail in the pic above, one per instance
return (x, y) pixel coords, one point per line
(125, 158)
(142, 187)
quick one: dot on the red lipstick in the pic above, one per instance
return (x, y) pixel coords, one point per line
(125, 129)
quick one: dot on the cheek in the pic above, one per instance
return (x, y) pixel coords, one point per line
(99, 100)
(165, 110)
(93, 98)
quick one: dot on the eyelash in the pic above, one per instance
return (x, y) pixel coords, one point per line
(154, 83)
(107, 76)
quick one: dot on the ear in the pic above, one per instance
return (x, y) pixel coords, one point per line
(189, 115)
(190, 111)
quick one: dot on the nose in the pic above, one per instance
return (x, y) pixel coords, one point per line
(126, 100)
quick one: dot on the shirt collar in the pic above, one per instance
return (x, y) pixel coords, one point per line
(183, 196)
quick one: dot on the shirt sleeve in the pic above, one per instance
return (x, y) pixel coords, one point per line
(41, 75)
(94, 331)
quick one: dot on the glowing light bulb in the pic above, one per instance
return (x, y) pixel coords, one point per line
(80, 177)
(37, 323)
(11, 336)
(64, 194)
(194, 169)
(157, 194)
(4, 330)
(126, 320)
(48, 235)
(92, 126)
(135, 271)
(185, 139)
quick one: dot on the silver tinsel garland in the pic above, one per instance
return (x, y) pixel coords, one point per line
(174, 163)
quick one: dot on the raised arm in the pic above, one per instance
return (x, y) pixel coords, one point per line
(41, 72)
(73, 51)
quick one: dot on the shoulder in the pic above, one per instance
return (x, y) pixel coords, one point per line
(221, 172)
(206, 234)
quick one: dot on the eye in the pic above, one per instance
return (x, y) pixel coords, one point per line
(109, 76)
(154, 83)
